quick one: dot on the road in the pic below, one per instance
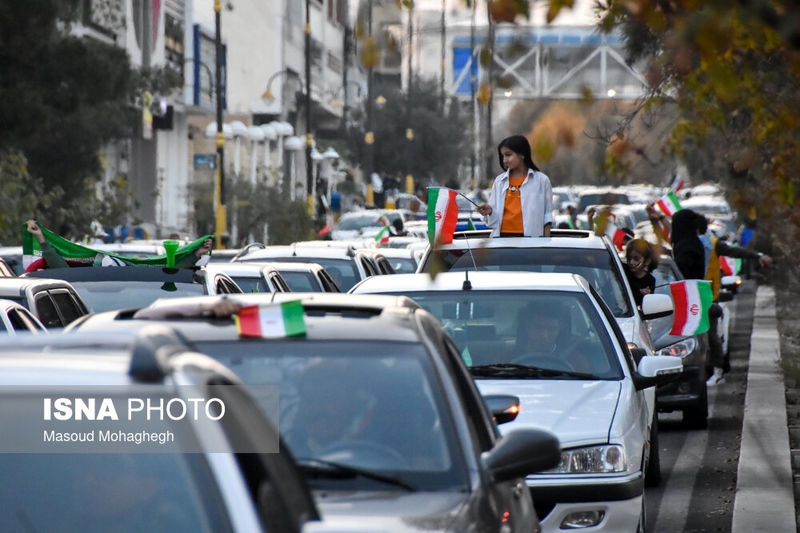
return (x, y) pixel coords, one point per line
(699, 466)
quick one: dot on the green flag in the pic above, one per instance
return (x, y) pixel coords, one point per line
(76, 254)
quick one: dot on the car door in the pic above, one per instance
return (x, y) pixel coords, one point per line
(45, 310)
(510, 499)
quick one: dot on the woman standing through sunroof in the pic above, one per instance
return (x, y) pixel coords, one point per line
(521, 201)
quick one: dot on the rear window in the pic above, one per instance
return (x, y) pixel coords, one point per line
(248, 284)
(109, 295)
(602, 198)
(301, 281)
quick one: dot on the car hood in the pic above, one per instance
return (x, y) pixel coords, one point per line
(577, 412)
(390, 510)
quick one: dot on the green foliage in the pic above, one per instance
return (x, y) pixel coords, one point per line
(254, 206)
(440, 137)
(22, 197)
(733, 69)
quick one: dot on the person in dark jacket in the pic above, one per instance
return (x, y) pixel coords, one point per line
(687, 249)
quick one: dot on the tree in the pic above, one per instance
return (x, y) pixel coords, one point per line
(62, 98)
(440, 137)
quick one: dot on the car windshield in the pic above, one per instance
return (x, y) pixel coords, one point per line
(102, 296)
(664, 275)
(597, 266)
(548, 330)
(301, 281)
(371, 405)
(251, 284)
(109, 492)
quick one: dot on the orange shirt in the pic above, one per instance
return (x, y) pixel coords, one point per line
(512, 211)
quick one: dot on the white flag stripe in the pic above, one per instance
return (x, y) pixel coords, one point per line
(442, 199)
(271, 321)
(693, 298)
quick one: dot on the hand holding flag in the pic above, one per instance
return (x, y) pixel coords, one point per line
(669, 204)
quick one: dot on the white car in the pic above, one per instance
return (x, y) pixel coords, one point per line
(551, 341)
(251, 277)
(365, 223)
(15, 319)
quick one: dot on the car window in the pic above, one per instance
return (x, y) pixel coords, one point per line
(67, 305)
(367, 265)
(598, 266)
(342, 270)
(279, 282)
(117, 294)
(301, 281)
(251, 284)
(349, 402)
(555, 330)
(110, 492)
(664, 276)
(18, 323)
(28, 318)
(46, 311)
(402, 265)
(327, 282)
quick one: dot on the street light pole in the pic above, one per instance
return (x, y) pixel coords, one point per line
(309, 138)
(409, 129)
(219, 208)
(369, 138)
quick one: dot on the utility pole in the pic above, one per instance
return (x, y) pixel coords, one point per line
(444, 53)
(369, 138)
(409, 97)
(219, 208)
(490, 102)
(472, 81)
(309, 138)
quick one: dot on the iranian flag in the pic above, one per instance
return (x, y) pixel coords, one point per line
(383, 220)
(606, 221)
(382, 237)
(677, 183)
(692, 299)
(270, 321)
(442, 215)
(730, 265)
(77, 255)
(669, 204)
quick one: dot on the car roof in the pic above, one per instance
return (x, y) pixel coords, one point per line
(240, 269)
(120, 273)
(265, 254)
(15, 285)
(356, 317)
(290, 266)
(586, 240)
(478, 280)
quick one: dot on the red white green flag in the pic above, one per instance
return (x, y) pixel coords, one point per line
(692, 299)
(271, 321)
(669, 204)
(382, 237)
(606, 223)
(442, 215)
(677, 183)
(730, 265)
(383, 220)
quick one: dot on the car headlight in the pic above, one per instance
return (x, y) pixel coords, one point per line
(608, 458)
(681, 349)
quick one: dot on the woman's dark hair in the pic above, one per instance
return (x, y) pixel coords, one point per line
(684, 225)
(645, 249)
(517, 144)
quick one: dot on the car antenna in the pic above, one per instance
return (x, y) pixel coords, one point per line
(467, 285)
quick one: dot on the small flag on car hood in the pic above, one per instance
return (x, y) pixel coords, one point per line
(271, 321)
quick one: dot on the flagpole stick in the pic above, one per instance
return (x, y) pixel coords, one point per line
(458, 193)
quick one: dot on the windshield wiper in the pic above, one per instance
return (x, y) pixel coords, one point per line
(516, 370)
(322, 468)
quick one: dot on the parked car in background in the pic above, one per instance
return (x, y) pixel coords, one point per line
(363, 223)
(373, 453)
(401, 260)
(214, 488)
(107, 288)
(601, 196)
(54, 302)
(306, 277)
(551, 341)
(251, 277)
(345, 265)
(13, 257)
(15, 318)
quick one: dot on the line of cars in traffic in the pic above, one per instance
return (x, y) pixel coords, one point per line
(390, 405)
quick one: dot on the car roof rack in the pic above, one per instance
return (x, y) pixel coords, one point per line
(484, 233)
(151, 348)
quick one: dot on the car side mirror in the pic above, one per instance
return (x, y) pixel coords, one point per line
(504, 407)
(724, 296)
(656, 370)
(522, 452)
(656, 306)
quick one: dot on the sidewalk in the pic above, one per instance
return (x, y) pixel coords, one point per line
(764, 499)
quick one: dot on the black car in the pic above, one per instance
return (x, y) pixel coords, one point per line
(380, 412)
(107, 288)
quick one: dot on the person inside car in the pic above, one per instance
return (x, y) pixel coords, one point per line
(640, 261)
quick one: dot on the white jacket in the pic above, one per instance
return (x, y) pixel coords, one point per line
(536, 197)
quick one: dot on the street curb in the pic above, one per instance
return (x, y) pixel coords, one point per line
(764, 499)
